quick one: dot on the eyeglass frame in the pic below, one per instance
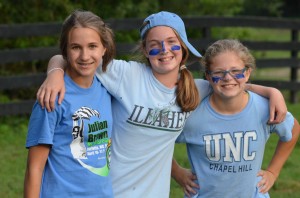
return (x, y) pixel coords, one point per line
(224, 72)
(216, 79)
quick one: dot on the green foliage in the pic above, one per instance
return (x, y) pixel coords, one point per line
(263, 8)
(18, 11)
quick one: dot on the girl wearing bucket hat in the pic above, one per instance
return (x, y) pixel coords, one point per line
(151, 102)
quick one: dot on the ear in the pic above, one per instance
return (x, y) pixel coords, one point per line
(145, 53)
(248, 73)
(207, 76)
(103, 53)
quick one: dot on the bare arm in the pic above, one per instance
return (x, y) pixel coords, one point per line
(278, 108)
(37, 157)
(185, 178)
(53, 85)
(282, 152)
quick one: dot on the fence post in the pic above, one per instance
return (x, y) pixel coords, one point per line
(294, 70)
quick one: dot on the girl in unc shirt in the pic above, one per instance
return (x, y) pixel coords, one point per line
(151, 102)
(227, 133)
(69, 148)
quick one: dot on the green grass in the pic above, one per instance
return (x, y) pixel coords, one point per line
(13, 156)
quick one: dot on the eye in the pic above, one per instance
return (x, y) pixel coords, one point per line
(218, 73)
(93, 46)
(75, 47)
(236, 71)
(154, 44)
(173, 41)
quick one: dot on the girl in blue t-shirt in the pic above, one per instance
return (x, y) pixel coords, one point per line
(226, 135)
(69, 148)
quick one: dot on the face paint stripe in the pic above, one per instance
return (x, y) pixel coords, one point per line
(163, 46)
(175, 47)
(238, 76)
(216, 79)
(155, 51)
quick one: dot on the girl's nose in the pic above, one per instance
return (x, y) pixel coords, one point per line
(84, 54)
(163, 49)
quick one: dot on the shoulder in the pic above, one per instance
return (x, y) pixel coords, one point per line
(203, 87)
(258, 106)
(258, 98)
(121, 67)
(124, 63)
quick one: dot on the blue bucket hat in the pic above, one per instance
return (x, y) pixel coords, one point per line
(171, 20)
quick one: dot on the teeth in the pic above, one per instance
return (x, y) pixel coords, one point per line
(228, 85)
(166, 59)
(85, 64)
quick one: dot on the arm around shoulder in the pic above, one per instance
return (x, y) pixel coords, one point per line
(278, 108)
(53, 84)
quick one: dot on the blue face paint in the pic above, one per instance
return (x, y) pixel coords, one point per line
(163, 49)
(175, 47)
(216, 79)
(238, 76)
(155, 51)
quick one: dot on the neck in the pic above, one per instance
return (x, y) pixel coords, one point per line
(81, 81)
(229, 106)
(169, 80)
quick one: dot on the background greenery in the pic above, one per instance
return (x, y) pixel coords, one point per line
(13, 129)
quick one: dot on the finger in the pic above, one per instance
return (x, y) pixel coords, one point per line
(280, 116)
(194, 177)
(265, 188)
(40, 97)
(194, 185)
(61, 95)
(52, 99)
(190, 190)
(186, 193)
(262, 189)
(260, 173)
(262, 182)
(272, 115)
(46, 101)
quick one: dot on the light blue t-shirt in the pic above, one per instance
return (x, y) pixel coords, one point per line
(79, 133)
(147, 122)
(226, 151)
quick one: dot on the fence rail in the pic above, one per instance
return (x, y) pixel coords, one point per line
(202, 24)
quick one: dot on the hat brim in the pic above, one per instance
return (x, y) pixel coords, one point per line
(191, 48)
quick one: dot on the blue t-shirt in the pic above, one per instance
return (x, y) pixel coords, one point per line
(79, 133)
(226, 151)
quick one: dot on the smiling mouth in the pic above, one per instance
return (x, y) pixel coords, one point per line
(228, 86)
(166, 59)
(85, 64)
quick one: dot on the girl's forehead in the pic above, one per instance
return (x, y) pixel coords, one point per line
(226, 59)
(160, 33)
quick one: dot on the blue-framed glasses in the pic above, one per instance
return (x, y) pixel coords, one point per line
(216, 76)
